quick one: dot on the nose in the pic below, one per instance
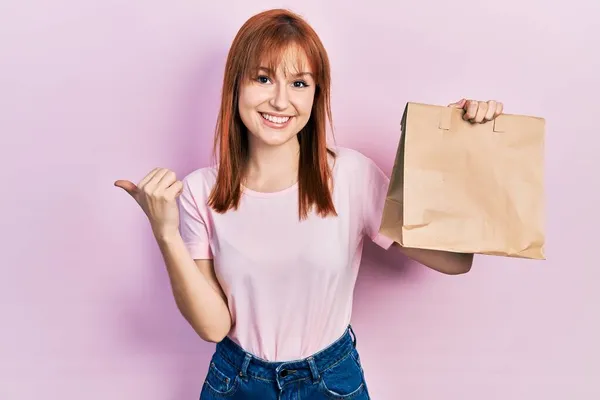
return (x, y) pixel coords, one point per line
(280, 99)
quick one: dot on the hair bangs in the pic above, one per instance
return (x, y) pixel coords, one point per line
(282, 47)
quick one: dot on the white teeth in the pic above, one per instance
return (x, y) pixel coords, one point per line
(277, 120)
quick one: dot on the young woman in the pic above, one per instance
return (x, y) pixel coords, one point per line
(263, 249)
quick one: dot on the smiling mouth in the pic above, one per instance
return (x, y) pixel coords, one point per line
(274, 119)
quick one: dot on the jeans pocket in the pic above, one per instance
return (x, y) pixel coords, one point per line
(344, 380)
(222, 378)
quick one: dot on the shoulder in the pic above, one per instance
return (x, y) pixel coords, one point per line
(200, 181)
(352, 161)
(358, 172)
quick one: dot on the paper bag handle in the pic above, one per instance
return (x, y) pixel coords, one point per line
(446, 119)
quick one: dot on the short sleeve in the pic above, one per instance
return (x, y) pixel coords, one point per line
(192, 223)
(374, 192)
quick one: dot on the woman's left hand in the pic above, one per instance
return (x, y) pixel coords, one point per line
(478, 112)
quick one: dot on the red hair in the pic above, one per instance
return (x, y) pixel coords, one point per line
(265, 37)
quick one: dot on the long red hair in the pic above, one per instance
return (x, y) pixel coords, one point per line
(266, 36)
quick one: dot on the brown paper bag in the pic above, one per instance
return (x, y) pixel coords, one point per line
(463, 187)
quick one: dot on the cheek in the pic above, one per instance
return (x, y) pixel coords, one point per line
(244, 100)
(243, 110)
(250, 97)
(246, 105)
(305, 104)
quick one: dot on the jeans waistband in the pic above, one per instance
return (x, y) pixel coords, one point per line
(249, 365)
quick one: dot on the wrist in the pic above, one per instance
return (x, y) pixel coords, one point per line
(167, 237)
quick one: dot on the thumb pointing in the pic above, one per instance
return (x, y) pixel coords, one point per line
(128, 186)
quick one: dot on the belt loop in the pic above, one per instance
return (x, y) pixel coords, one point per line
(313, 369)
(353, 335)
(245, 364)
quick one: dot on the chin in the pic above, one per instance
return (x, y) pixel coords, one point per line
(275, 138)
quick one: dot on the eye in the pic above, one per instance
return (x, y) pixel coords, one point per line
(262, 79)
(300, 84)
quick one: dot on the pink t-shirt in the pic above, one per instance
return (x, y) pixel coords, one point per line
(289, 283)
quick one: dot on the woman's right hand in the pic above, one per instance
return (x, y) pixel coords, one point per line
(157, 195)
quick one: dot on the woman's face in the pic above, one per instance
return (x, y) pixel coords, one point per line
(275, 105)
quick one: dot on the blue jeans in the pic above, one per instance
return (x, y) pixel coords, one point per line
(333, 373)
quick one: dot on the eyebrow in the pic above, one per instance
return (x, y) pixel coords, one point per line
(270, 71)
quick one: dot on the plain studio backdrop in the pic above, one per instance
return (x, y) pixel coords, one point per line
(94, 91)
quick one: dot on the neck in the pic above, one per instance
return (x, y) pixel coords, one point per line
(272, 168)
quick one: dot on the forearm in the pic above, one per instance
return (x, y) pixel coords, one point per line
(442, 261)
(200, 304)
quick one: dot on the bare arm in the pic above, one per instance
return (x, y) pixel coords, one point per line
(197, 292)
(444, 262)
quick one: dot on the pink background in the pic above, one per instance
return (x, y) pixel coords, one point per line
(94, 91)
